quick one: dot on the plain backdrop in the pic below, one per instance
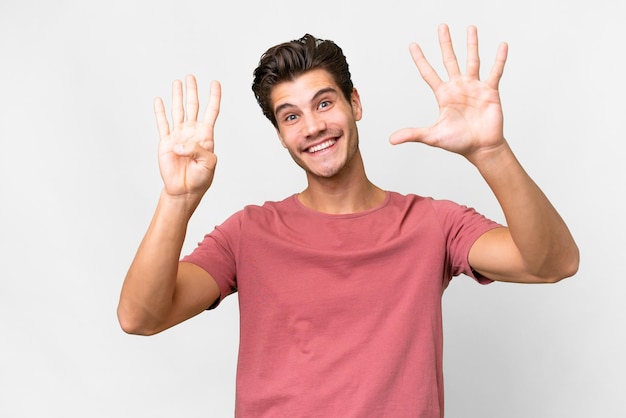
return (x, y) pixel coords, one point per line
(79, 182)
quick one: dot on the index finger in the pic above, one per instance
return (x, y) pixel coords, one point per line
(427, 72)
(213, 107)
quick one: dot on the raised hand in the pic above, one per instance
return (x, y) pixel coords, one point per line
(470, 113)
(186, 158)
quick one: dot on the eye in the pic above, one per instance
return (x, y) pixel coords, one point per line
(290, 118)
(324, 104)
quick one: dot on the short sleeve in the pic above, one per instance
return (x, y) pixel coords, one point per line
(462, 226)
(216, 254)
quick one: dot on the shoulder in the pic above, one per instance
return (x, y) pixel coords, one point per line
(439, 207)
(259, 216)
(446, 213)
(420, 204)
(397, 199)
(268, 208)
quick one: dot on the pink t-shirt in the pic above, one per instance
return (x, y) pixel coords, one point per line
(341, 314)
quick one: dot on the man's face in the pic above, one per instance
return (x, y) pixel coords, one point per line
(316, 123)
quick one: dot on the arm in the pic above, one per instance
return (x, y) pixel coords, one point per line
(158, 291)
(536, 246)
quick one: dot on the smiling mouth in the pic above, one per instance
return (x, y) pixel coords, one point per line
(320, 147)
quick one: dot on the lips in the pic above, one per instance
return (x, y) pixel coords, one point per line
(321, 146)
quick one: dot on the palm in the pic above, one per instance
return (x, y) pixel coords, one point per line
(470, 118)
(186, 158)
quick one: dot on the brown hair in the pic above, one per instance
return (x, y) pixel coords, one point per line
(287, 61)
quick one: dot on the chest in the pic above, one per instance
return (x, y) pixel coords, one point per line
(332, 268)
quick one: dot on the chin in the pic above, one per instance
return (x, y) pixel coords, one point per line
(326, 172)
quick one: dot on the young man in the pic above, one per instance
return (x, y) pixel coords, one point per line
(340, 285)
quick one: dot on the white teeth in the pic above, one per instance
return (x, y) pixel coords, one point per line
(322, 146)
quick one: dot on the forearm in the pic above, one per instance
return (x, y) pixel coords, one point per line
(547, 248)
(149, 286)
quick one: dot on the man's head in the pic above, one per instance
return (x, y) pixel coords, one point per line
(289, 60)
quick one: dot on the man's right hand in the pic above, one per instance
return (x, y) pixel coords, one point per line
(186, 158)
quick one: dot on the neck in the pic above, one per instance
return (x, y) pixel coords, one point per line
(349, 191)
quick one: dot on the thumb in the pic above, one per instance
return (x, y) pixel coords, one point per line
(190, 150)
(409, 135)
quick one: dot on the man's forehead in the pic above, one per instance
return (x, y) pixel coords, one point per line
(303, 88)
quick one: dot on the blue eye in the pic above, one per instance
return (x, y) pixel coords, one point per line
(290, 118)
(324, 104)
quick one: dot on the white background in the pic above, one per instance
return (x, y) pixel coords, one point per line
(79, 182)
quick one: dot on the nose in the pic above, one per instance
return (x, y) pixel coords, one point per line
(313, 125)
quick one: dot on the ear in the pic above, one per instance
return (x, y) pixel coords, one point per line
(280, 137)
(355, 101)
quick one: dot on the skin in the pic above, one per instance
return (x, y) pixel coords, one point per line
(313, 114)
(536, 247)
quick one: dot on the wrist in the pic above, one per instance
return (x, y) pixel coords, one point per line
(493, 156)
(178, 205)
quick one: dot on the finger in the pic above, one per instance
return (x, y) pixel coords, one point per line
(192, 98)
(498, 66)
(473, 59)
(195, 152)
(426, 70)
(449, 59)
(178, 112)
(213, 108)
(189, 149)
(409, 135)
(161, 120)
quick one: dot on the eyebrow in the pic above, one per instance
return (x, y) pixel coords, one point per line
(314, 98)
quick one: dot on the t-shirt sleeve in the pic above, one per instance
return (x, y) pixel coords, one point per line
(462, 226)
(216, 254)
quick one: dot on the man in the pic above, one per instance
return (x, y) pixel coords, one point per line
(340, 285)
